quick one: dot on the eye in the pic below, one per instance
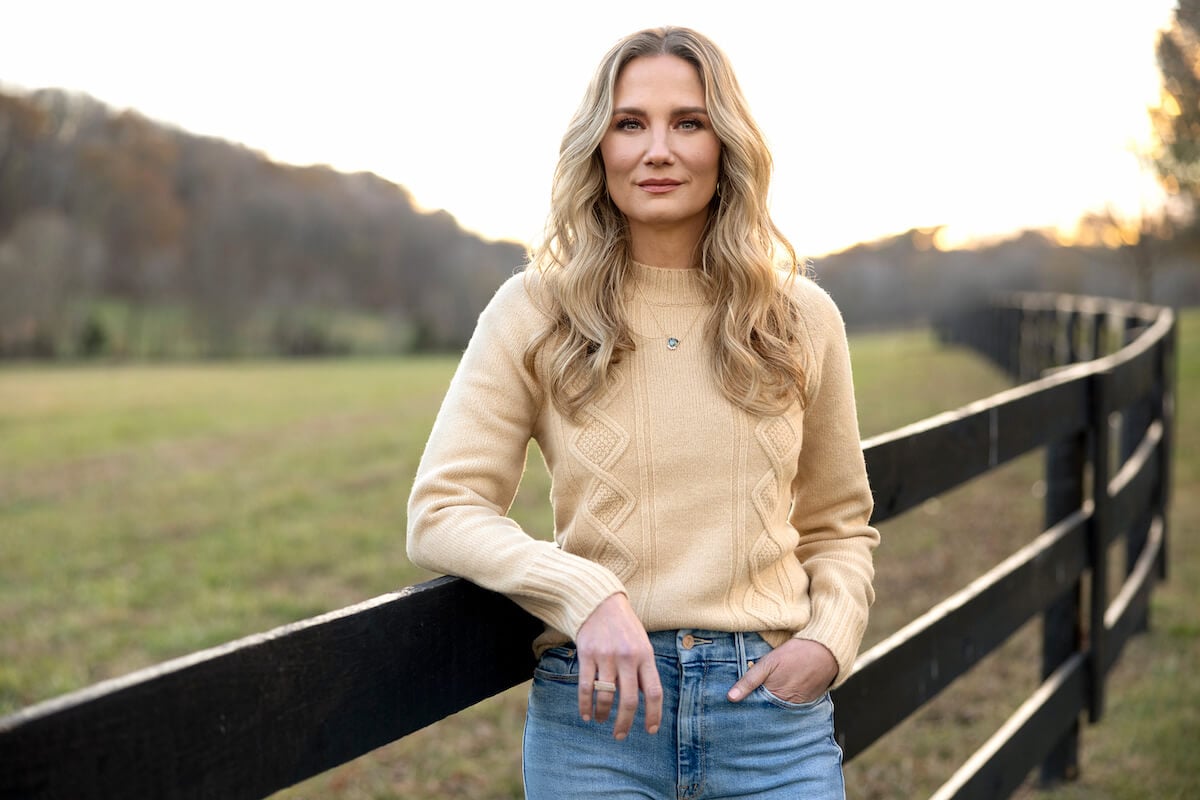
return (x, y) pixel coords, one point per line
(628, 124)
(690, 124)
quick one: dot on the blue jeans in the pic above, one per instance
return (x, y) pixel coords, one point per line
(707, 747)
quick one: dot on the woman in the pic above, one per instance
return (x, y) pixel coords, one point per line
(711, 569)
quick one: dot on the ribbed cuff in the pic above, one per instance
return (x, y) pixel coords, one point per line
(839, 629)
(568, 590)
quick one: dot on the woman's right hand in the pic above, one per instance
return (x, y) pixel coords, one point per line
(613, 646)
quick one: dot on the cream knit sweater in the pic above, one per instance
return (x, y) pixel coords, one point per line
(706, 516)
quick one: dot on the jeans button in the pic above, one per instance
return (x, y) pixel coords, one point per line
(688, 642)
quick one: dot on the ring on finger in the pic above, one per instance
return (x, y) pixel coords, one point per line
(604, 686)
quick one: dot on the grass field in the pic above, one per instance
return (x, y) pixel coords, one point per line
(149, 511)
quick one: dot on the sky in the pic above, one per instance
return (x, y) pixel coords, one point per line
(882, 116)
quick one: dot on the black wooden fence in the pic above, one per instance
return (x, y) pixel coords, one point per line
(253, 716)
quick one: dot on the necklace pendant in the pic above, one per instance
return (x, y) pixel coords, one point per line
(672, 343)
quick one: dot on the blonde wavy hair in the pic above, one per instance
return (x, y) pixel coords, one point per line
(585, 256)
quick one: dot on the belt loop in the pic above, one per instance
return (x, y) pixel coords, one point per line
(739, 642)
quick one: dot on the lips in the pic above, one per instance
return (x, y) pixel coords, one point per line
(658, 185)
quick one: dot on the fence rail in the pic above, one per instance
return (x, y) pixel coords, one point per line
(256, 715)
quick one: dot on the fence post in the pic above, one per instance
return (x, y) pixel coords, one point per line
(1077, 330)
(1165, 399)
(1011, 341)
(1040, 353)
(1098, 535)
(1061, 623)
(1096, 332)
(1135, 422)
(1072, 333)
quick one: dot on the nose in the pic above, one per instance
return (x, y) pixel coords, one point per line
(658, 148)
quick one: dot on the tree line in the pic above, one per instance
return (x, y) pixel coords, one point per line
(121, 236)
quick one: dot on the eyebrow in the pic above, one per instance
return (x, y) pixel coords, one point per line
(637, 112)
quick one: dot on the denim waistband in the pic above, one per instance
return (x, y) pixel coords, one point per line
(691, 646)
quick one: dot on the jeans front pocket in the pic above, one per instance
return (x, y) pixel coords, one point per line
(558, 664)
(788, 705)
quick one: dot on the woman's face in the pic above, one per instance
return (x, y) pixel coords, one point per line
(661, 156)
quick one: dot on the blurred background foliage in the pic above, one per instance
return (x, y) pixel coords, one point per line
(124, 238)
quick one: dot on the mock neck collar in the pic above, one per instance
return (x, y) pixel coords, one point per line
(663, 286)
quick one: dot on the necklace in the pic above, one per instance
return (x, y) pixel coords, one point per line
(672, 341)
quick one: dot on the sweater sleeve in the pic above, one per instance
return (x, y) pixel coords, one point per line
(470, 470)
(832, 500)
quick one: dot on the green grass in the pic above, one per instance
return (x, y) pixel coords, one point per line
(149, 511)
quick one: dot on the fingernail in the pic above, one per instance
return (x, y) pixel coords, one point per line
(587, 718)
(653, 729)
(620, 737)
(735, 695)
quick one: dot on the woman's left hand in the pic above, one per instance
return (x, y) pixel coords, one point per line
(798, 671)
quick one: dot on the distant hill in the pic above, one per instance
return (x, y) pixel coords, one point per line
(118, 233)
(120, 236)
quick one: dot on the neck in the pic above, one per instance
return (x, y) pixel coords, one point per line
(677, 247)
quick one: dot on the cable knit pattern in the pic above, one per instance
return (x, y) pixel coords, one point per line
(706, 516)
(599, 444)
